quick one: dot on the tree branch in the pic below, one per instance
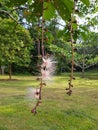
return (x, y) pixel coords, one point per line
(6, 12)
(93, 50)
(78, 65)
(16, 8)
(90, 65)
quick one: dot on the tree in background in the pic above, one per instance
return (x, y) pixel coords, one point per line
(15, 44)
(87, 52)
(29, 14)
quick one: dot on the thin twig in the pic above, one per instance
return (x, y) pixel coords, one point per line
(6, 12)
(16, 8)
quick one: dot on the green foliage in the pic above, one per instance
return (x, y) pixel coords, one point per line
(15, 43)
(87, 51)
(18, 2)
(49, 11)
(58, 42)
(63, 9)
(86, 2)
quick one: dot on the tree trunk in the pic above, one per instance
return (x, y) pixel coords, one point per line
(83, 64)
(2, 70)
(61, 69)
(10, 72)
(83, 72)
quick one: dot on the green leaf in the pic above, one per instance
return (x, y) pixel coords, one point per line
(74, 26)
(62, 9)
(86, 2)
(69, 4)
(18, 2)
(84, 35)
(50, 11)
(37, 5)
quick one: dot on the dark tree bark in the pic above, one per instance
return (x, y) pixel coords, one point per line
(10, 71)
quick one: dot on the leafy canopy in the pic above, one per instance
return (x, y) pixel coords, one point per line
(15, 43)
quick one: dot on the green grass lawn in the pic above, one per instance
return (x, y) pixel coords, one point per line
(58, 111)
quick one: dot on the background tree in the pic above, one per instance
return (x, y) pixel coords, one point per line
(28, 13)
(15, 44)
(87, 52)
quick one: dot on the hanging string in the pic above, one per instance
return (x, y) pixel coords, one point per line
(39, 93)
(38, 39)
(72, 59)
(43, 28)
(38, 46)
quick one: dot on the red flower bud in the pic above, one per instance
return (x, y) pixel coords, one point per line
(33, 111)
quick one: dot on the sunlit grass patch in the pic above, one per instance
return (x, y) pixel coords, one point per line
(58, 111)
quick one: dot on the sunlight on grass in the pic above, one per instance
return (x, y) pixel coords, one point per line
(58, 110)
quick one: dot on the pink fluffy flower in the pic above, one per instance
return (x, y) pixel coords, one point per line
(45, 74)
(47, 63)
(48, 68)
(33, 93)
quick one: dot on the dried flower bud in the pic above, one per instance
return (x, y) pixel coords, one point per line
(34, 111)
(74, 78)
(74, 21)
(43, 20)
(44, 84)
(77, 11)
(39, 78)
(67, 89)
(46, 30)
(69, 93)
(75, 49)
(71, 85)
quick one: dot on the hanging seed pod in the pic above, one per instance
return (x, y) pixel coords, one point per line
(38, 78)
(74, 78)
(74, 42)
(43, 20)
(67, 89)
(74, 21)
(77, 11)
(68, 26)
(42, 84)
(71, 85)
(69, 92)
(45, 39)
(75, 49)
(34, 111)
(72, 31)
(46, 30)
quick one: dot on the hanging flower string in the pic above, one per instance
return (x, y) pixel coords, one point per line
(70, 85)
(47, 69)
(34, 110)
